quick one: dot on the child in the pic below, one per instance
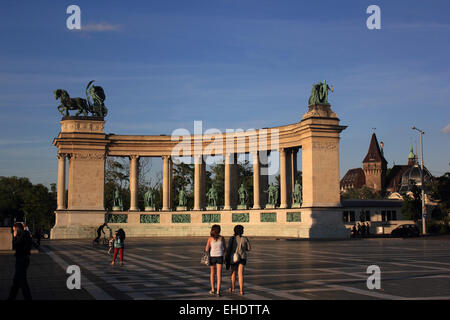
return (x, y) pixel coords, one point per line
(111, 245)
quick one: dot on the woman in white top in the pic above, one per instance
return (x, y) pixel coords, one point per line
(216, 247)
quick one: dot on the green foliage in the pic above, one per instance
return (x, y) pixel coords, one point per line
(440, 192)
(361, 193)
(183, 177)
(23, 201)
(412, 206)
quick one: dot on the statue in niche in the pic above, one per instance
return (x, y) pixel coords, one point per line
(211, 196)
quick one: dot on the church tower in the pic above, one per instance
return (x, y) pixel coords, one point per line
(375, 166)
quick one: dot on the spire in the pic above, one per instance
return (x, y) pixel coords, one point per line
(411, 153)
(411, 156)
(374, 154)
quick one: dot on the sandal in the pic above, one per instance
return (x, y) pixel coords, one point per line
(211, 292)
(242, 293)
(230, 290)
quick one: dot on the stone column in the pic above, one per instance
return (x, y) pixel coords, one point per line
(166, 184)
(293, 170)
(134, 182)
(61, 192)
(263, 178)
(283, 179)
(256, 178)
(203, 202)
(227, 182)
(170, 182)
(197, 182)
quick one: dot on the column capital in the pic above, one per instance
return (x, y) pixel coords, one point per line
(62, 155)
(134, 156)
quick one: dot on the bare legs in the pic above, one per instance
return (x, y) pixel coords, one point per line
(239, 269)
(213, 269)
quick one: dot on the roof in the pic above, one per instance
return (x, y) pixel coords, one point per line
(371, 203)
(374, 154)
(353, 175)
(394, 179)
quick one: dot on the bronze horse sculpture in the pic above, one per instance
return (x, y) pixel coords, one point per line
(83, 106)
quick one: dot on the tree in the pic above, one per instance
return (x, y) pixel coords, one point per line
(361, 193)
(440, 192)
(20, 200)
(183, 178)
(412, 205)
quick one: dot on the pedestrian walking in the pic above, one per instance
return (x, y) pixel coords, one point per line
(119, 245)
(216, 247)
(22, 246)
(236, 257)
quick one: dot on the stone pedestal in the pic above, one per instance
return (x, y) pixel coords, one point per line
(296, 205)
(182, 208)
(116, 208)
(242, 207)
(211, 208)
(5, 239)
(150, 209)
(270, 206)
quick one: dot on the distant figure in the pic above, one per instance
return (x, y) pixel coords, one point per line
(119, 245)
(99, 232)
(367, 228)
(216, 247)
(354, 231)
(236, 257)
(22, 245)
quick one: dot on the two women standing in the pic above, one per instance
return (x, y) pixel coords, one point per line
(235, 256)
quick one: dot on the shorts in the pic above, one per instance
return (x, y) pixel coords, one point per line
(215, 260)
(242, 261)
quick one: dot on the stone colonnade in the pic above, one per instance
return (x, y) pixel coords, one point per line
(288, 167)
(83, 142)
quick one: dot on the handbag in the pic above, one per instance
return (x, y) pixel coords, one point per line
(205, 258)
(236, 255)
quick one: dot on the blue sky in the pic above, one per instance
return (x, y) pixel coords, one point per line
(232, 64)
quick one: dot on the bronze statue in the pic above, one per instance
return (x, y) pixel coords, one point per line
(297, 193)
(273, 194)
(182, 201)
(319, 93)
(243, 195)
(98, 96)
(212, 197)
(68, 103)
(149, 198)
(83, 106)
(118, 200)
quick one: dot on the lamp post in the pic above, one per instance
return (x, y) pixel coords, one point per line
(421, 179)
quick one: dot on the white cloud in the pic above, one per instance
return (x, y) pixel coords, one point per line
(446, 129)
(100, 27)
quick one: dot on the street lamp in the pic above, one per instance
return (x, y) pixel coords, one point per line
(421, 178)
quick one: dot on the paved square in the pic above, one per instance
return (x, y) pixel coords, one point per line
(169, 268)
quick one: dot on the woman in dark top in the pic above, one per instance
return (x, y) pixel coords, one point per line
(22, 244)
(236, 257)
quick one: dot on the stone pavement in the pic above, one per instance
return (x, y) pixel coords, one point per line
(169, 268)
